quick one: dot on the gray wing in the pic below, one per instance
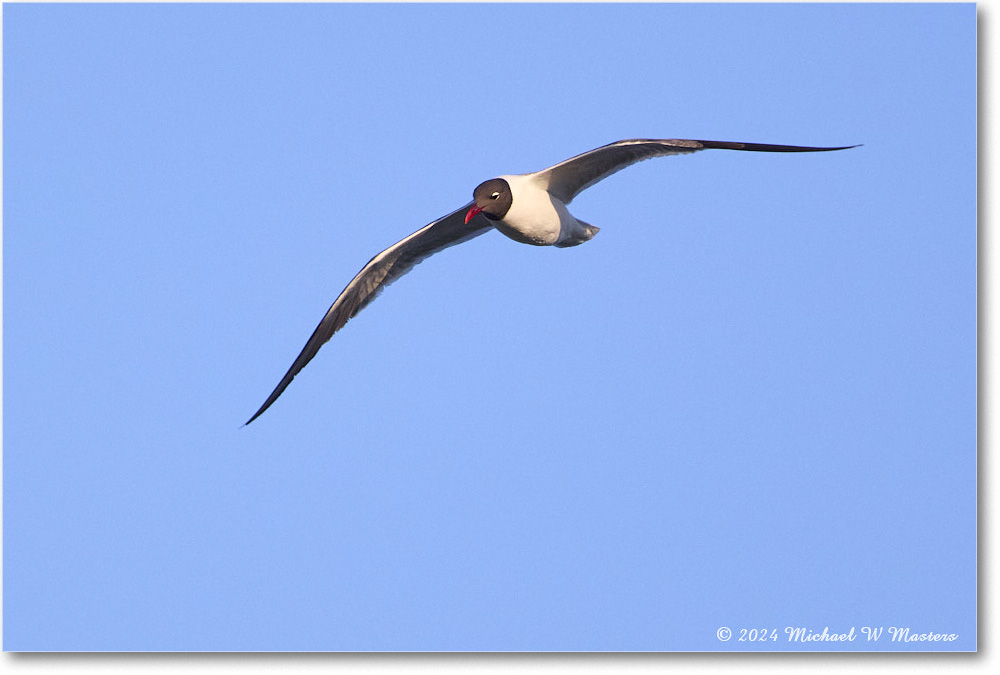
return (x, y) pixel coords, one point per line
(381, 271)
(567, 179)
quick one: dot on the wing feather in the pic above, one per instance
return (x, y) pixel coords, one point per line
(567, 179)
(381, 271)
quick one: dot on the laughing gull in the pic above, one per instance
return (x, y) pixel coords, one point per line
(529, 208)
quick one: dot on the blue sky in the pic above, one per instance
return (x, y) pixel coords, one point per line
(749, 402)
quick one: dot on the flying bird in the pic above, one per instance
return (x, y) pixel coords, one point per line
(529, 208)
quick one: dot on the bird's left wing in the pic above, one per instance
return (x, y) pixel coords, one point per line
(381, 271)
(567, 179)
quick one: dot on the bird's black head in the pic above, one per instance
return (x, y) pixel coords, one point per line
(492, 198)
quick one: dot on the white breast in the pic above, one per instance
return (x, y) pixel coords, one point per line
(535, 216)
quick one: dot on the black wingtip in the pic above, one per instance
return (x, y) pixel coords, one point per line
(260, 411)
(255, 416)
(766, 147)
(843, 147)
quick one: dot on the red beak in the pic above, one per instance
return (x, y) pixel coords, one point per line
(472, 212)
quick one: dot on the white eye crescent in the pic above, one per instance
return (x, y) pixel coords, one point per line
(495, 195)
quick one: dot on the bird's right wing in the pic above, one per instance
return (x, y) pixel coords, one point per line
(567, 179)
(381, 271)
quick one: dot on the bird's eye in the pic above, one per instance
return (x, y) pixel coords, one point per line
(495, 195)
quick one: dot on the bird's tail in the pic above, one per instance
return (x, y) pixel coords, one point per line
(583, 232)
